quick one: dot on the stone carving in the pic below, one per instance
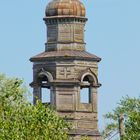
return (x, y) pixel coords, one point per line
(65, 72)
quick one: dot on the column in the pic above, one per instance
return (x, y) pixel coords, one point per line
(36, 94)
(93, 91)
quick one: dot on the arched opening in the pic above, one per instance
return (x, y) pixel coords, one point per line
(88, 78)
(85, 92)
(43, 80)
(44, 89)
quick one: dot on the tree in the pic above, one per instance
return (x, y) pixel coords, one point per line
(20, 120)
(130, 108)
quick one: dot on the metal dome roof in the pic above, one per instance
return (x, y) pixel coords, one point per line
(65, 8)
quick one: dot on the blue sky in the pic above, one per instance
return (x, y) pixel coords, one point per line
(112, 32)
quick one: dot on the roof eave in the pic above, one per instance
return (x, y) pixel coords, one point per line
(33, 59)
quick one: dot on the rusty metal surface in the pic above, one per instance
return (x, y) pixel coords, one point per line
(65, 7)
(65, 54)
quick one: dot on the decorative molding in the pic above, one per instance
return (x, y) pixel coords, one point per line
(56, 20)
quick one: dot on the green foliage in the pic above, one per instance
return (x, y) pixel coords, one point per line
(20, 120)
(130, 108)
(85, 138)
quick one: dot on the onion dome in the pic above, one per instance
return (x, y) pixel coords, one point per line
(65, 8)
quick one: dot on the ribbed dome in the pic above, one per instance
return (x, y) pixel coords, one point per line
(65, 8)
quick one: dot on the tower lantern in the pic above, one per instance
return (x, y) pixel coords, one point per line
(65, 72)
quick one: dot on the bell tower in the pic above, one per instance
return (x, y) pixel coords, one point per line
(65, 72)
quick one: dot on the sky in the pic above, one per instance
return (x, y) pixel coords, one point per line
(112, 33)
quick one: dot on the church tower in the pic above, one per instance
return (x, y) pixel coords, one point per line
(65, 73)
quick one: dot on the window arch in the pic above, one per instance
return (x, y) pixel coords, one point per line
(90, 77)
(47, 75)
